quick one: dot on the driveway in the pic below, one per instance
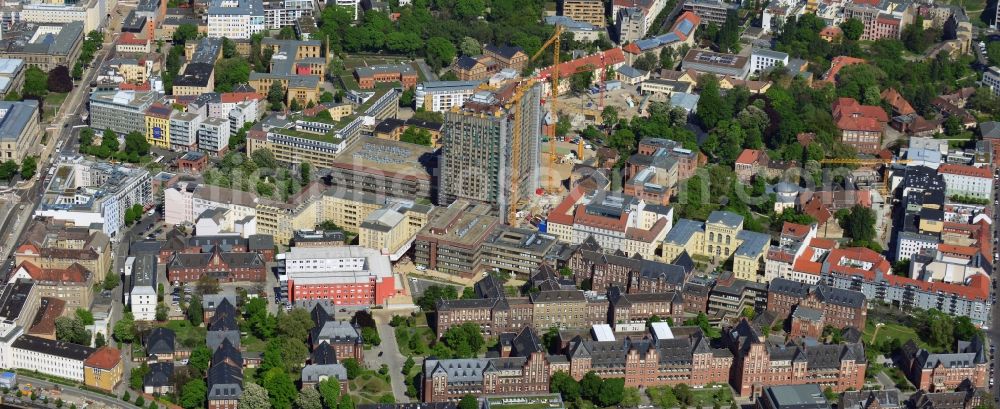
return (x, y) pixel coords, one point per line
(390, 355)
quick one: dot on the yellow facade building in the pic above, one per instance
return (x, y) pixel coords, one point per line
(718, 239)
(103, 369)
(158, 125)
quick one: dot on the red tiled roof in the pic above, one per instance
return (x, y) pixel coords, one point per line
(830, 31)
(613, 56)
(562, 213)
(838, 63)
(237, 97)
(131, 39)
(897, 102)
(826, 244)
(794, 229)
(106, 358)
(75, 273)
(146, 86)
(817, 210)
(978, 286)
(850, 115)
(689, 16)
(965, 170)
(887, 21)
(749, 156)
(804, 263)
(957, 250)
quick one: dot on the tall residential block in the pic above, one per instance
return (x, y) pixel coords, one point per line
(477, 159)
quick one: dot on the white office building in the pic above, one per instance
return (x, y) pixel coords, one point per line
(440, 96)
(235, 19)
(763, 59)
(55, 358)
(184, 130)
(964, 180)
(90, 193)
(142, 294)
(213, 136)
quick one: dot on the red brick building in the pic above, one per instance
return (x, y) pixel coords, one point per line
(758, 364)
(861, 126)
(945, 372)
(590, 262)
(402, 73)
(822, 305)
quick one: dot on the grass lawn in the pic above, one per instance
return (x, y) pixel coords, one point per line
(253, 344)
(350, 82)
(368, 388)
(709, 395)
(425, 334)
(187, 335)
(891, 331)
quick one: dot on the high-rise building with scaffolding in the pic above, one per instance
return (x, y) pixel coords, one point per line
(490, 148)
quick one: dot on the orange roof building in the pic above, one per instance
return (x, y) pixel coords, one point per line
(103, 369)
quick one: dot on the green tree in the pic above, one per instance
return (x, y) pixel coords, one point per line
(564, 384)
(111, 280)
(611, 392)
(36, 82)
(230, 72)
(228, 48)
(193, 394)
(465, 340)
(852, 28)
(581, 80)
(28, 167)
(859, 223)
(346, 402)
(609, 116)
(353, 367)
(72, 330)
(264, 159)
(162, 312)
(185, 32)
(326, 97)
(140, 401)
(99, 340)
(136, 142)
(470, 47)
(200, 358)
(416, 135)
(439, 52)
(329, 389)
(309, 398)
(371, 337)
(195, 313)
(109, 140)
(469, 10)
(276, 96)
(279, 388)
(468, 402)
(711, 106)
(590, 386)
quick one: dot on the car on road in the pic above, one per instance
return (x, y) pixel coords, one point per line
(421, 267)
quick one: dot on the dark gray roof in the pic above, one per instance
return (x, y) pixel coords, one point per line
(795, 397)
(887, 399)
(160, 341)
(558, 296)
(17, 117)
(57, 348)
(788, 287)
(225, 382)
(324, 354)
(160, 374)
(839, 296)
(213, 339)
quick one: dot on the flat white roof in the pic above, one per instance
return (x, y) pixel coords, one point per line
(603, 332)
(661, 330)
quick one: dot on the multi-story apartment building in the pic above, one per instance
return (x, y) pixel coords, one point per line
(142, 292)
(386, 168)
(92, 13)
(861, 126)
(73, 284)
(968, 181)
(285, 13)
(235, 19)
(55, 358)
(476, 162)
(349, 275)
(588, 11)
(616, 222)
(213, 136)
(85, 193)
(196, 78)
(991, 79)
(441, 96)
(158, 125)
(184, 128)
(44, 46)
(758, 364)
(452, 240)
(52, 243)
(881, 19)
(710, 11)
(943, 372)
(121, 111)
(19, 129)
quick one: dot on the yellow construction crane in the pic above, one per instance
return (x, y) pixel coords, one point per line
(884, 189)
(554, 42)
(513, 105)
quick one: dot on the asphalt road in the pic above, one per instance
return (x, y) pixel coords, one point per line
(68, 392)
(994, 331)
(390, 355)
